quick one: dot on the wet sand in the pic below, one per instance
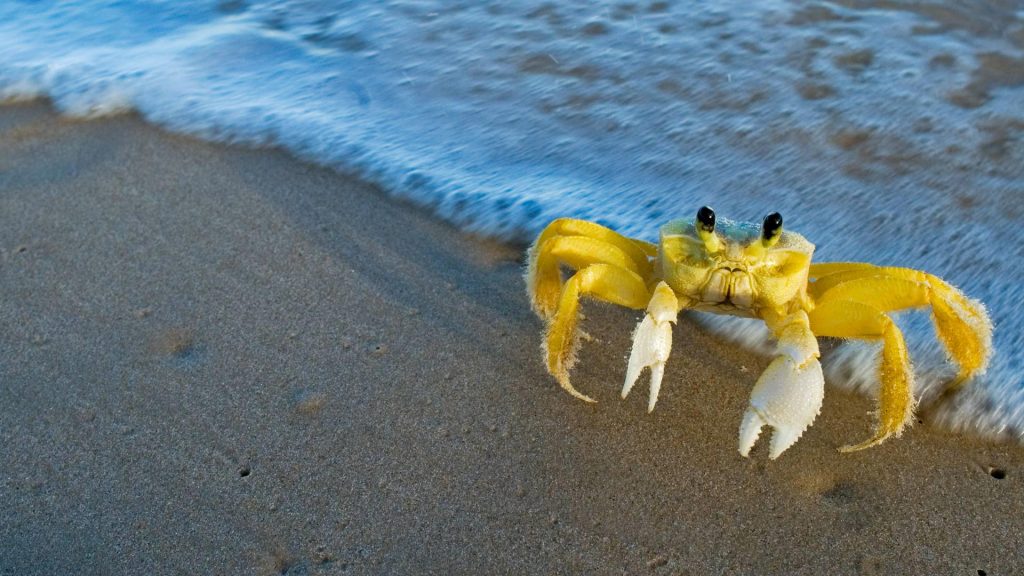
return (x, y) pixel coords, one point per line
(226, 361)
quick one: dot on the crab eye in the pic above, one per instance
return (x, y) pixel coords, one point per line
(705, 226)
(706, 219)
(771, 229)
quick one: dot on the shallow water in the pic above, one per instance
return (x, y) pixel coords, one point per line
(883, 131)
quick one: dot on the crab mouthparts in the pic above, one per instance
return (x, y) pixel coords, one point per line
(729, 286)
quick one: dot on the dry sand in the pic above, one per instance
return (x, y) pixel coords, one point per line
(224, 361)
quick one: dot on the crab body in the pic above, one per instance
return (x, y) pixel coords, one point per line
(742, 275)
(757, 271)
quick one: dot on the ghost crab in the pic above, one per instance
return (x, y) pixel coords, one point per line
(757, 271)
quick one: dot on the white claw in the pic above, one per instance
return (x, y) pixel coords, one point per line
(750, 429)
(652, 343)
(783, 438)
(657, 371)
(787, 398)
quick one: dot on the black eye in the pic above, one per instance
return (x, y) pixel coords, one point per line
(706, 219)
(772, 226)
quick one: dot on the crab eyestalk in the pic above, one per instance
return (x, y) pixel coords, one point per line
(705, 225)
(771, 229)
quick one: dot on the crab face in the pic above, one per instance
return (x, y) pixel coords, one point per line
(735, 267)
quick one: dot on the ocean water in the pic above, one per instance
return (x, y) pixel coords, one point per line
(884, 131)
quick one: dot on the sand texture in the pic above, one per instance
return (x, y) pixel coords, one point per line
(225, 361)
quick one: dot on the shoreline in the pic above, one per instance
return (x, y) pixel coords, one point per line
(222, 359)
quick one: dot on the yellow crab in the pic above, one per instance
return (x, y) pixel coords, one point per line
(758, 271)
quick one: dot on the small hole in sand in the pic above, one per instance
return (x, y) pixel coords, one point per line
(244, 471)
(997, 473)
(982, 573)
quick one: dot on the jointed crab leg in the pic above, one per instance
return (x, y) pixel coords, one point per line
(652, 341)
(609, 266)
(789, 393)
(896, 380)
(604, 281)
(578, 243)
(962, 324)
(852, 299)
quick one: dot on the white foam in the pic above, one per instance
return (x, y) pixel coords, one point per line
(881, 135)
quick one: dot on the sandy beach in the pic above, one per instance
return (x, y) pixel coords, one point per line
(217, 360)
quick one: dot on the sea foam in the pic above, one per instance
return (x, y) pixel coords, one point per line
(885, 134)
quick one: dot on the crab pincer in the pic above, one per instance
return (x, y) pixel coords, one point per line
(789, 393)
(652, 342)
(787, 398)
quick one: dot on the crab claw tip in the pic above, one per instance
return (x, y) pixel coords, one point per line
(750, 430)
(631, 377)
(782, 439)
(657, 371)
(782, 436)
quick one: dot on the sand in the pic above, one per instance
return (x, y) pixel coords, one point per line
(217, 360)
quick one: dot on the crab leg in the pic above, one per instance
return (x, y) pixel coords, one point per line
(789, 393)
(602, 281)
(846, 319)
(652, 341)
(961, 323)
(577, 244)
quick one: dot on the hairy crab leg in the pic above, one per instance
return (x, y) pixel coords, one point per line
(578, 243)
(602, 281)
(652, 341)
(962, 324)
(576, 252)
(847, 319)
(789, 393)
